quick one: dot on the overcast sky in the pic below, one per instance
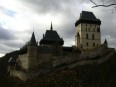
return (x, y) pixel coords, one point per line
(19, 18)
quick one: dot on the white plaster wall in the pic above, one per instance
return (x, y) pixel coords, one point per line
(23, 60)
(89, 29)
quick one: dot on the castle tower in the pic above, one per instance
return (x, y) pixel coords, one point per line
(32, 53)
(88, 35)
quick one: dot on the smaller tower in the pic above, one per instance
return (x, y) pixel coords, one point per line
(52, 39)
(32, 53)
(106, 43)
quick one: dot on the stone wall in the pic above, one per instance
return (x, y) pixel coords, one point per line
(24, 75)
(92, 53)
(45, 62)
(65, 60)
(21, 75)
(94, 61)
(23, 61)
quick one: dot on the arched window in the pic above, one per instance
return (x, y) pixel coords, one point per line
(93, 36)
(86, 36)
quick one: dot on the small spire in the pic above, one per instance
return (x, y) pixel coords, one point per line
(51, 27)
(105, 41)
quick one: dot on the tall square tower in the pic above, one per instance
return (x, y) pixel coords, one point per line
(88, 35)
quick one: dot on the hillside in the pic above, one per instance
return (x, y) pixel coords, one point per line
(4, 61)
(102, 75)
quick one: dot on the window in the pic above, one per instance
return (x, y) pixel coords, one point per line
(95, 25)
(86, 29)
(98, 29)
(93, 36)
(86, 43)
(93, 44)
(86, 24)
(86, 36)
(89, 29)
(90, 25)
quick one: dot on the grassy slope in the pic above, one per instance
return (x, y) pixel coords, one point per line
(102, 75)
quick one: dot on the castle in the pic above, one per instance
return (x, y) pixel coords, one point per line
(50, 54)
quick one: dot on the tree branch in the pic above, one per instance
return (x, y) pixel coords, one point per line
(102, 5)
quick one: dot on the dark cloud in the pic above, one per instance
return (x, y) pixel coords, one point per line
(6, 34)
(8, 41)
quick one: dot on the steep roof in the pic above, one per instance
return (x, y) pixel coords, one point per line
(51, 37)
(32, 41)
(87, 17)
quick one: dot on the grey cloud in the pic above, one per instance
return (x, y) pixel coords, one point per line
(108, 28)
(6, 49)
(50, 6)
(55, 7)
(70, 14)
(70, 11)
(8, 12)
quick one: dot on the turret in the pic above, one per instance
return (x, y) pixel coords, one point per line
(32, 53)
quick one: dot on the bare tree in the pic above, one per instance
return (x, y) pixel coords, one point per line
(104, 3)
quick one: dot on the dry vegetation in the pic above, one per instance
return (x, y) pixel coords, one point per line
(102, 75)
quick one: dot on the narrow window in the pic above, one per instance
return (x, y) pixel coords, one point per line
(93, 44)
(87, 43)
(86, 36)
(86, 24)
(86, 29)
(93, 36)
(95, 25)
(89, 29)
(98, 30)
